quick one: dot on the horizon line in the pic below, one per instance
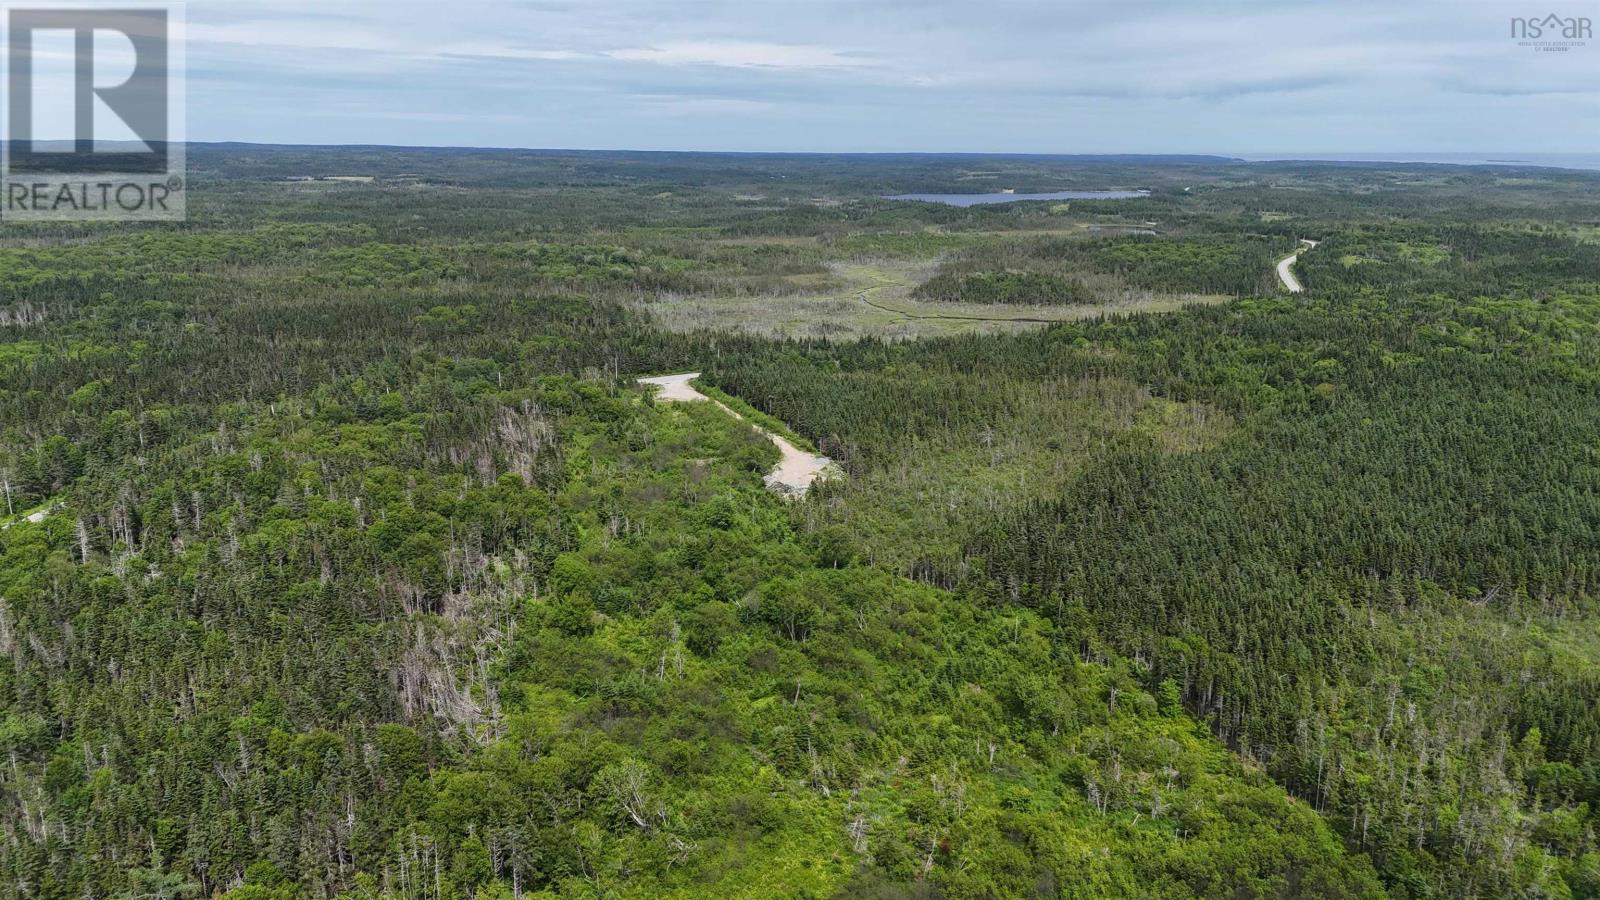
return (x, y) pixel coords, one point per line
(1467, 158)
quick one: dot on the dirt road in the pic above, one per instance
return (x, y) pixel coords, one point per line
(35, 517)
(795, 472)
(1285, 275)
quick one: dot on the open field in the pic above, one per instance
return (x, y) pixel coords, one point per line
(875, 300)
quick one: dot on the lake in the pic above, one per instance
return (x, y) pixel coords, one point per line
(977, 199)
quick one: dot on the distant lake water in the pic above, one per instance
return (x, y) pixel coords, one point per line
(977, 199)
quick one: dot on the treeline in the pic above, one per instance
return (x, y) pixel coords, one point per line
(1063, 271)
(1411, 479)
(1455, 260)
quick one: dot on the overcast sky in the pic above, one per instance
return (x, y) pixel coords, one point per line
(1073, 76)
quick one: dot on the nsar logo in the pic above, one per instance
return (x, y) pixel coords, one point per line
(1553, 32)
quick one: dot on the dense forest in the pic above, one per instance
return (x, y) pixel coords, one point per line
(341, 553)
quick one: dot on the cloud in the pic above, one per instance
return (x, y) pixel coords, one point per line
(293, 33)
(738, 55)
(489, 50)
(359, 111)
(1518, 89)
(1151, 75)
(679, 105)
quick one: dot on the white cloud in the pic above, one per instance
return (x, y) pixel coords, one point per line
(674, 105)
(739, 55)
(490, 50)
(303, 34)
(892, 74)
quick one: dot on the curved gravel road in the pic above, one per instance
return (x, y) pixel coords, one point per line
(794, 474)
(1285, 275)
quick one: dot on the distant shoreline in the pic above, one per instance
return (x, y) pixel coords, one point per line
(1501, 159)
(1575, 161)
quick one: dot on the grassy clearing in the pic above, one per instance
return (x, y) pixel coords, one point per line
(872, 298)
(1426, 254)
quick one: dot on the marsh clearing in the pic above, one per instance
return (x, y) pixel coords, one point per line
(872, 298)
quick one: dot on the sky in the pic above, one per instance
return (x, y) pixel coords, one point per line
(1072, 76)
